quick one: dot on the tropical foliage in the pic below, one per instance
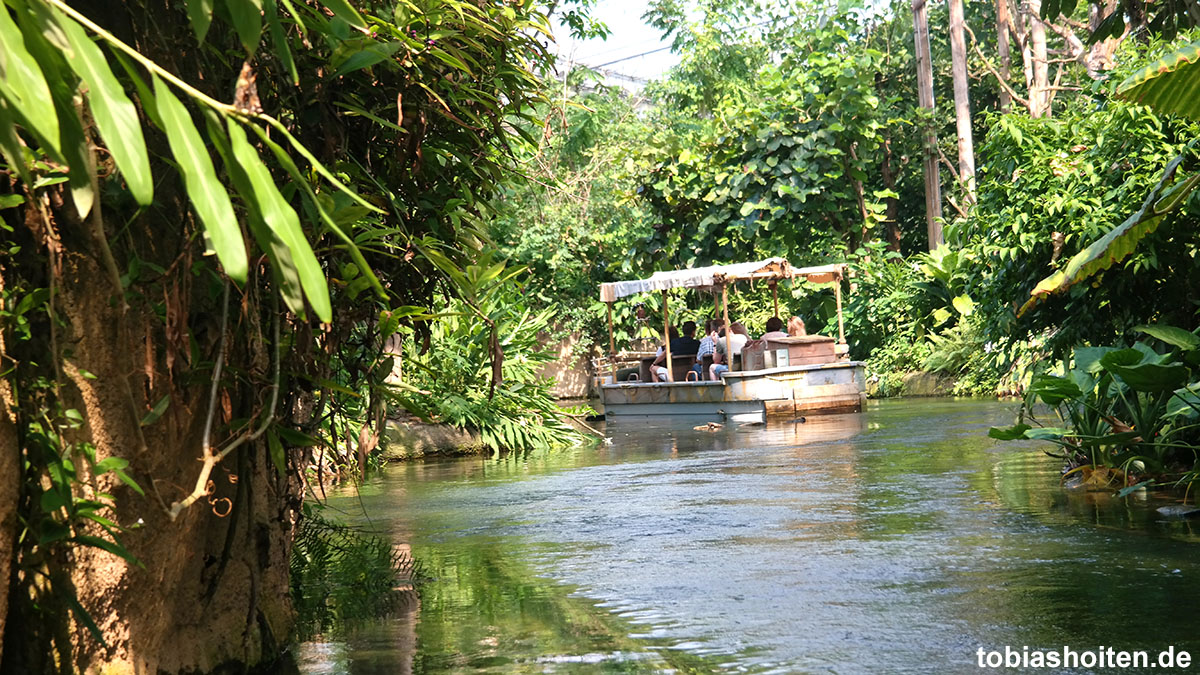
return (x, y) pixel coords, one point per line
(1122, 416)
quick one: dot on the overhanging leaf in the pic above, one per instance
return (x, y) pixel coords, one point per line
(1053, 390)
(281, 218)
(1123, 239)
(207, 194)
(346, 12)
(200, 15)
(1169, 85)
(288, 165)
(24, 87)
(1010, 434)
(115, 115)
(283, 269)
(1176, 337)
(246, 17)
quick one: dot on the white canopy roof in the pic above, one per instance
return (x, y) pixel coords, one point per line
(706, 278)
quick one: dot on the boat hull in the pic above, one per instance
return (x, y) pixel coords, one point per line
(756, 395)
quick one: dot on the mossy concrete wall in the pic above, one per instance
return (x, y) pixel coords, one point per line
(410, 438)
(912, 384)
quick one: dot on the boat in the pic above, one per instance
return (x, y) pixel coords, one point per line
(783, 378)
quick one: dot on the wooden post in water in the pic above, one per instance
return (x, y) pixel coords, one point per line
(667, 337)
(728, 326)
(837, 293)
(612, 346)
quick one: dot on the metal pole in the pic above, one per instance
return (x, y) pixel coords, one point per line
(837, 293)
(728, 327)
(667, 337)
(612, 345)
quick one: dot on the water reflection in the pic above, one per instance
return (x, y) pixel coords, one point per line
(898, 540)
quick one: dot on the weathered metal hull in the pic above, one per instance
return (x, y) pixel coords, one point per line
(787, 392)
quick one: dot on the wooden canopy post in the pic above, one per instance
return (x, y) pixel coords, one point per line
(775, 296)
(667, 336)
(837, 293)
(728, 326)
(612, 345)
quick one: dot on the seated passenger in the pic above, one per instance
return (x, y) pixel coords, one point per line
(712, 327)
(685, 345)
(774, 329)
(796, 327)
(737, 338)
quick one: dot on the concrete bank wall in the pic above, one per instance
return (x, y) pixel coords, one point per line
(916, 384)
(572, 367)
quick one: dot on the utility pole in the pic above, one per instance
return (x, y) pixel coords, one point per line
(933, 184)
(962, 101)
(1003, 19)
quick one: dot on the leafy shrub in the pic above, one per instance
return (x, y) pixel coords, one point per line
(481, 368)
(1132, 411)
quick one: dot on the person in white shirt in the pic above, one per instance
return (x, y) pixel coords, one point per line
(737, 338)
(707, 344)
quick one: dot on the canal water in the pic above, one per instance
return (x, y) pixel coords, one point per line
(899, 540)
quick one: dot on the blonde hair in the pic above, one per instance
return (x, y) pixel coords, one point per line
(796, 327)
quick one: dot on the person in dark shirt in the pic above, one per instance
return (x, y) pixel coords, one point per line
(684, 345)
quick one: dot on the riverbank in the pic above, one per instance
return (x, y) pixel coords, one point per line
(408, 438)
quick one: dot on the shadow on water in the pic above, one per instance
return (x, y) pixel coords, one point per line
(898, 540)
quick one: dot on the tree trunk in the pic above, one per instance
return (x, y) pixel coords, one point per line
(1002, 27)
(213, 591)
(933, 188)
(893, 207)
(10, 466)
(962, 102)
(1100, 55)
(1039, 87)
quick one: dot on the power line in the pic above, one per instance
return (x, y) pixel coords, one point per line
(626, 58)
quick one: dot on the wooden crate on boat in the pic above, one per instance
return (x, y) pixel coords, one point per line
(799, 351)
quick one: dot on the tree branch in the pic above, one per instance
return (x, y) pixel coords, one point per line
(992, 69)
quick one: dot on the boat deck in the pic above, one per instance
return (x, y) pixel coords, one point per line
(788, 391)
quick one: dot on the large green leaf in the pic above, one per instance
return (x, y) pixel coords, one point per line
(208, 196)
(283, 269)
(288, 165)
(280, 42)
(10, 145)
(1087, 359)
(24, 87)
(1053, 390)
(1123, 239)
(1012, 433)
(283, 221)
(200, 14)
(246, 17)
(1143, 373)
(346, 12)
(1176, 337)
(1169, 85)
(115, 115)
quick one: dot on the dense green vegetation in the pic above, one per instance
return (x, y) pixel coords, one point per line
(798, 137)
